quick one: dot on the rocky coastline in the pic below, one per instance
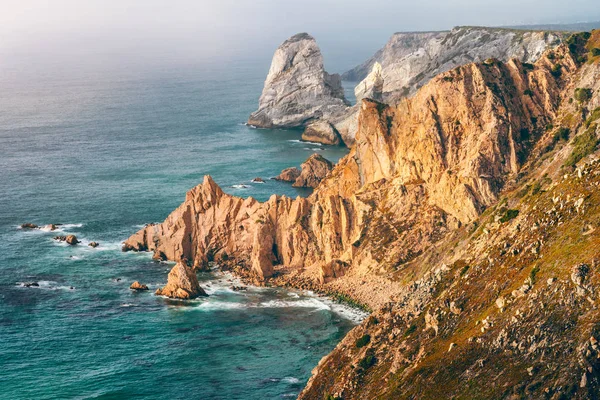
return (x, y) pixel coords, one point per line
(427, 221)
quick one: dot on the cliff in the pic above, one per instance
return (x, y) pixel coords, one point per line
(298, 89)
(409, 60)
(422, 222)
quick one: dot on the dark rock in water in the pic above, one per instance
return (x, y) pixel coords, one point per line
(28, 225)
(288, 175)
(31, 284)
(69, 239)
(138, 286)
(239, 288)
(94, 244)
(258, 180)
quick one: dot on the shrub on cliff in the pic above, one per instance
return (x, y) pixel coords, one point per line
(583, 145)
(582, 95)
(363, 341)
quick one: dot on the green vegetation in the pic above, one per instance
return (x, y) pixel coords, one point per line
(595, 52)
(328, 396)
(582, 95)
(464, 270)
(508, 215)
(410, 330)
(561, 133)
(527, 66)
(363, 341)
(556, 70)
(583, 145)
(528, 92)
(551, 55)
(533, 273)
(345, 299)
(367, 362)
(594, 115)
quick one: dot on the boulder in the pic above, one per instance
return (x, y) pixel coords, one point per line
(138, 286)
(29, 225)
(288, 175)
(314, 169)
(320, 131)
(69, 239)
(298, 88)
(258, 180)
(94, 244)
(182, 283)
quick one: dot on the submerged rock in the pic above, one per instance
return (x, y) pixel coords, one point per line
(182, 283)
(298, 88)
(31, 284)
(138, 286)
(321, 132)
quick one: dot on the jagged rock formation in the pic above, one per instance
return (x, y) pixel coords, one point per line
(400, 224)
(137, 286)
(321, 132)
(411, 59)
(298, 89)
(288, 175)
(313, 171)
(372, 86)
(182, 284)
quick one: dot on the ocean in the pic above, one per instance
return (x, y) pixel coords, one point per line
(104, 151)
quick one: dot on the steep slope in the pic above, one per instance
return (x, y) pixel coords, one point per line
(394, 218)
(297, 88)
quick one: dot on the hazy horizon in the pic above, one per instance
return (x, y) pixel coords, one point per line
(156, 32)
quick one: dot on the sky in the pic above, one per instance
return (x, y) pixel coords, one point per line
(348, 31)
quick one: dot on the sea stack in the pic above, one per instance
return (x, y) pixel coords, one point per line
(182, 283)
(298, 89)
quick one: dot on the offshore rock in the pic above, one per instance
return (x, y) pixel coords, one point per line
(314, 170)
(321, 132)
(288, 175)
(182, 284)
(138, 286)
(298, 89)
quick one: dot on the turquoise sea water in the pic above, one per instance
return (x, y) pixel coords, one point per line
(104, 152)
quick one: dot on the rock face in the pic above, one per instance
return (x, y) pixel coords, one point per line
(314, 170)
(182, 284)
(288, 175)
(321, 132)
(372, 86)
(298, 89)
(409, 60)
(399, 225)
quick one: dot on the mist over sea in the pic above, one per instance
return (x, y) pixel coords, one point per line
(103, 151)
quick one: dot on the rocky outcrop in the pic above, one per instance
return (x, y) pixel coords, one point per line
(69, 239)
(298, 89)
(372, 86)
(138, 286)
(93, 244)
(410, 59)
(182, 284)
(313, 171)
(288, 175)
(321, 132)
(29, 225)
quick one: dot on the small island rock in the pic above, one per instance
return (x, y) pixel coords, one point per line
(29, 225)
(94, 244)
(288, 175)
(182, 283)
(138, 286)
